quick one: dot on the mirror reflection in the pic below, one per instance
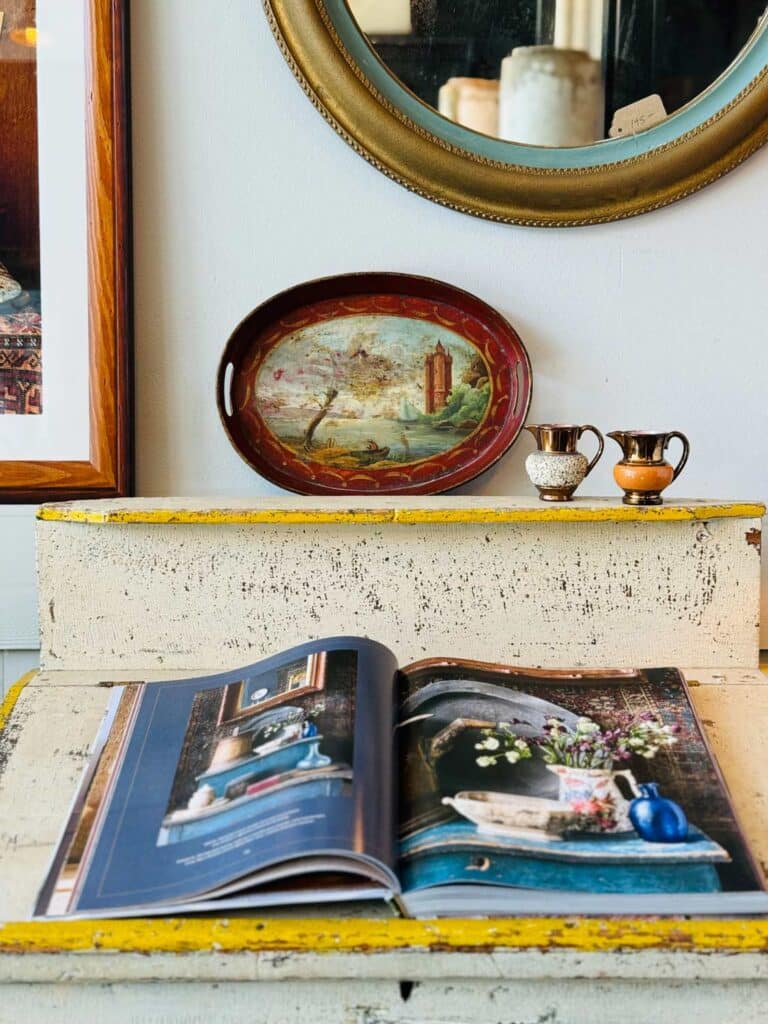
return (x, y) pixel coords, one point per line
(557, 72)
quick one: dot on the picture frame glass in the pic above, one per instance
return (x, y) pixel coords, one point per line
(44, 357)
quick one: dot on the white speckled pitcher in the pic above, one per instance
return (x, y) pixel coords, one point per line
(557, 468)
(593, 792)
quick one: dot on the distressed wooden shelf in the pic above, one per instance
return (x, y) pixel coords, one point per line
(50, 718)
(195, 581)
(180, 587)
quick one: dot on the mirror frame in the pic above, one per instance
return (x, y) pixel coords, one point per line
(660, 170)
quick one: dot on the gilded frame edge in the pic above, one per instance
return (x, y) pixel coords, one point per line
(526, 196)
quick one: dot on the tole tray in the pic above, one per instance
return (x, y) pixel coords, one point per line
(373, 384)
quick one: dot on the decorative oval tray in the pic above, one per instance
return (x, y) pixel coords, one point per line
(373, 384)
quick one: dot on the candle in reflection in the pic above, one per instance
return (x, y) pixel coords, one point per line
(551, 97)
(383, 17)
(473, 102)
(579, 26)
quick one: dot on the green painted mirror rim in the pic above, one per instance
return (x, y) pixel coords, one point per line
(503, 181)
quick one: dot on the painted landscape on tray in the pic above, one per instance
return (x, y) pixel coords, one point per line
(372, 391)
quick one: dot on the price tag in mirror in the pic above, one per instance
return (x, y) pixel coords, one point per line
(638, 117)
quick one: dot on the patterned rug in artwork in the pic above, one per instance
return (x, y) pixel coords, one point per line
(20, 358)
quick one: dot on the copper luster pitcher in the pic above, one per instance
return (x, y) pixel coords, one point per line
(643, 473)
(557, 468)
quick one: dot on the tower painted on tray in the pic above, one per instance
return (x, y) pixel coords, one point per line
(437, 378)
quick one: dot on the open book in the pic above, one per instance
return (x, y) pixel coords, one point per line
(449, 787)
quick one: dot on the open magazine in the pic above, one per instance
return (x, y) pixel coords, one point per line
(449, 787)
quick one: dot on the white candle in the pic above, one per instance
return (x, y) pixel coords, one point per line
(473, 102)
(383, 17)
(550, 97)
(563, 24)
(579, 26)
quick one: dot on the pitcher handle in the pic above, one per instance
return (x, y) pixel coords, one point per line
(600, 446)
(686, 451)
(631, 780)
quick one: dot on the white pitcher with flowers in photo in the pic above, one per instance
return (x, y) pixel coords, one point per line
(584, 760)
(593, 794)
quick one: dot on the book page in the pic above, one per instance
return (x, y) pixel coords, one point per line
(525, 777)
(221, 777)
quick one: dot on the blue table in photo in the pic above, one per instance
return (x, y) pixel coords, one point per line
(229, 814)
(302, 754)
(457, 853)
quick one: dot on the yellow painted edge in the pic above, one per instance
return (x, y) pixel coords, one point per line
(561, 513)
(9, 703)
(330, 936)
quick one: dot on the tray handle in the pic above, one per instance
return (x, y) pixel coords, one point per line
(226, 389)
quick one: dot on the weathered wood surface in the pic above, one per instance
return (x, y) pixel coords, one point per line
(366, 1002)
(44, 747)
(368, 969)
(208, 593)
(383, 509)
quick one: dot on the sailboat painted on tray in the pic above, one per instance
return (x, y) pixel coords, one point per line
(407, 412)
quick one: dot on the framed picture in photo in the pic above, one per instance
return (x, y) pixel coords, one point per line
(65, 259)
(259, 693)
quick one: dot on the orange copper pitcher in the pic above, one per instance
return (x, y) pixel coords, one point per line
(643, 473)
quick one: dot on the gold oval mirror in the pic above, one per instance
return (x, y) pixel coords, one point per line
(542, 112)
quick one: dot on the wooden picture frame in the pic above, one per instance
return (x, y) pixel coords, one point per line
(107, 471)
(312, 671)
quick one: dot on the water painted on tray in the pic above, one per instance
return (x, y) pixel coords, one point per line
(372, 391)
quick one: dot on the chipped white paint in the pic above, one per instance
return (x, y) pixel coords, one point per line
(159, 599)
(216, 593)
(367, 1002)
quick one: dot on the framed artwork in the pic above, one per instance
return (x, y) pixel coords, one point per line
(259, 693)
(65, 315)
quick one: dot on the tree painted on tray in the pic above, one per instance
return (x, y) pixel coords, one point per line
(329, 372)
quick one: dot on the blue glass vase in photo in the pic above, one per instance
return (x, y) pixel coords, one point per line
(656, 819)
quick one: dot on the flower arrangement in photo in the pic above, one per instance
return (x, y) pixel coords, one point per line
(502, 744)
(588, 745)
(299, 715)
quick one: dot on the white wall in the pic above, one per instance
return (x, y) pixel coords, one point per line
(18, 599)
(241, 189)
